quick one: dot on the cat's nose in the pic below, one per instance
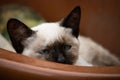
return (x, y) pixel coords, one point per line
(61, 58)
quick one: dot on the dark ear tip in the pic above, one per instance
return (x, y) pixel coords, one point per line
(12, 20)
(77, 9)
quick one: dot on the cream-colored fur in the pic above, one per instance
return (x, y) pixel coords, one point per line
(92, 54)
(4, 44)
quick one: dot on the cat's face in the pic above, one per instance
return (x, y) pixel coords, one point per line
(49, 41)
(52, 42)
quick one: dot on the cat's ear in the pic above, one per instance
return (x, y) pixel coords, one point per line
(72, 21)
(18, 32)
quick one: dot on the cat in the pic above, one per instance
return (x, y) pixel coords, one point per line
(59, 42)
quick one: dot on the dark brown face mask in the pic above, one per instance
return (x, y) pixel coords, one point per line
(58, 52)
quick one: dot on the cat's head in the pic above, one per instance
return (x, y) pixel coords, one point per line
(56, 41)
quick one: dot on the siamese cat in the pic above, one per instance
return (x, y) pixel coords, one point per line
(59, 42)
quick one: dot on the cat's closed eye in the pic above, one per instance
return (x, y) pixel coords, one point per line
(67, 47)
(44, 51)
